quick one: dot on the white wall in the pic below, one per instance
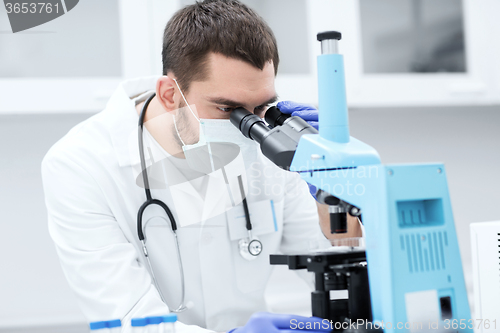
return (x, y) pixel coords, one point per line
(32, 287)
(66, 47)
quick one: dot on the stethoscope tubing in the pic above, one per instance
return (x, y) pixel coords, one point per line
(150, 202)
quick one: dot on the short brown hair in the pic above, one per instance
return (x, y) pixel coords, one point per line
(227, 27)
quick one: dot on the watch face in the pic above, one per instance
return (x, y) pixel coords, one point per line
(255, 247)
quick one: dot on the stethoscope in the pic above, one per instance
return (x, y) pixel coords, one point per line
(249, 247)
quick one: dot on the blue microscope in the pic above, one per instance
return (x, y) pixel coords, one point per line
(409, 276)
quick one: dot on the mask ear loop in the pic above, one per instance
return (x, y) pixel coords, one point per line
(189, 107)
(185, 101)
(201, 128)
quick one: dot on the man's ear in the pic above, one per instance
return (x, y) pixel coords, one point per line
(165, 92)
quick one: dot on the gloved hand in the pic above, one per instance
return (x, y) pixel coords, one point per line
(312, 189)
(265, 322)
(304, 111)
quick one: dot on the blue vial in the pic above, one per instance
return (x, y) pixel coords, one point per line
(154, 324)
(107, 326)
(114, 326)
(169, 323)
(139, 325)
(98, 325)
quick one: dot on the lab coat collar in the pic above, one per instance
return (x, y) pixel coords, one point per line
(121, 118)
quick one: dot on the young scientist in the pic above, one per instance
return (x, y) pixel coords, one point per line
(217, 56)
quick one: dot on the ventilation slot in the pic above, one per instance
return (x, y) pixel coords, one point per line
(414, 213)
(426, 251)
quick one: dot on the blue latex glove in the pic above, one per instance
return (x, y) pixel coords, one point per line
(265, 322)
(304, 111)
(312, 189)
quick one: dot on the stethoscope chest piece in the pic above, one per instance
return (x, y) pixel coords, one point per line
(250, 248)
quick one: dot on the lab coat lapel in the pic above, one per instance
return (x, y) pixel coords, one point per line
(187, 200)
(217, 200)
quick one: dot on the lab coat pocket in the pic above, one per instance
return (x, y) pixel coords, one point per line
(267, 221)
(263, 217)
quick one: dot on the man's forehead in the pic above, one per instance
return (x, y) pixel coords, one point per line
(220, 67)
(231, 102)
(233, 82)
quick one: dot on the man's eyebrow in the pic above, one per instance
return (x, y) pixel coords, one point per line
(231, 103)
(270, 101)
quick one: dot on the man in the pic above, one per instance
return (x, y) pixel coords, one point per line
(217, 56)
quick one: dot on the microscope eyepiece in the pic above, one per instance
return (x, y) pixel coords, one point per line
(237, 116)
(249, 124)
(329, 35)
(277, 143)
(329, 41)
(274, 117)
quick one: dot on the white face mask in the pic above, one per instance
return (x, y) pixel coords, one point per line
(219, 144)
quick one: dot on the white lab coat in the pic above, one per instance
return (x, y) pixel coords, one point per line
(92, 197)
